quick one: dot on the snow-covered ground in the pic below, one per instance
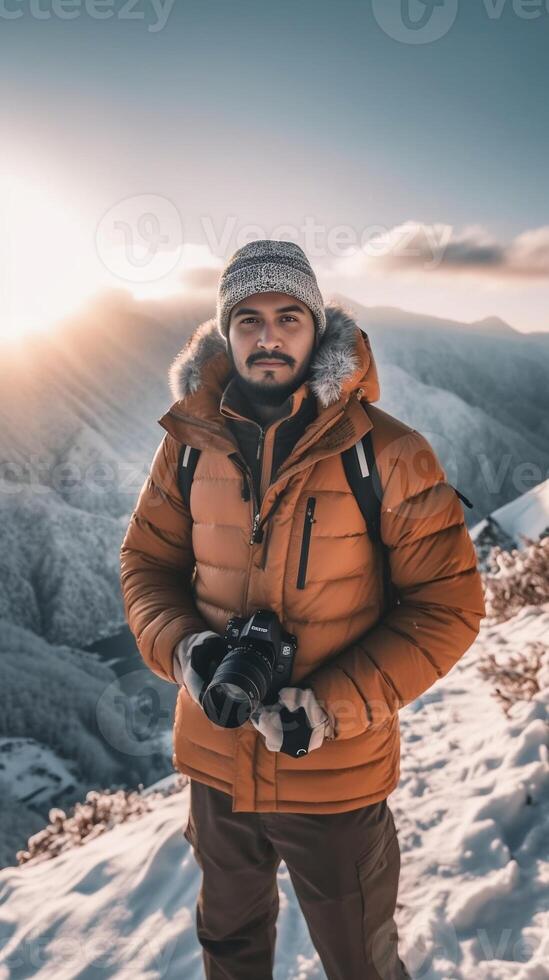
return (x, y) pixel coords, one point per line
(472, 809)
(472, 812)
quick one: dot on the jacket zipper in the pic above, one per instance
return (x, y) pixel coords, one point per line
(256, 507)
(260, 443)
(257, 530)
(305, 542)
(258, 522)
(239, 462)
(241, 465)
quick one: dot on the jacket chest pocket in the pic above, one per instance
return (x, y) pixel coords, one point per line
(308, 522)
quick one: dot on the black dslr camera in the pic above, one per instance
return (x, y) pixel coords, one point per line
(258, 663)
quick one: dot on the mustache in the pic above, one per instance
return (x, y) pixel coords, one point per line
(284, 358)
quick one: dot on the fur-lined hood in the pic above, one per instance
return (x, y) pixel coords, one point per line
(342, 363)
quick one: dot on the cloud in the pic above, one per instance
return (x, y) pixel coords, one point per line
(418, 247)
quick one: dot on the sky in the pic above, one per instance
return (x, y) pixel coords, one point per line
(402, 143)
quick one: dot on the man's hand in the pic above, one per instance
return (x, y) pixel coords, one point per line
(295, 724)
(195, 660)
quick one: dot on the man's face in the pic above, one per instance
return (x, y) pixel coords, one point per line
(271, 340)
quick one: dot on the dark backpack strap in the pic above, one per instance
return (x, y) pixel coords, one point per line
(461, 496)
(360, 467)
(186, 465)
(363, 478)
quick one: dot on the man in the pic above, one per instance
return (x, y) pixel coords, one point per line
(271, 391)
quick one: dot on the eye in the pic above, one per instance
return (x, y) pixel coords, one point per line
(250, 320)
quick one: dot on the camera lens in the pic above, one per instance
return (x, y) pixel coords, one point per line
(238, 686)
(232, 691)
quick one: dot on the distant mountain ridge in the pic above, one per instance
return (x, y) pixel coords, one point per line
(492, 324)
(90, 394)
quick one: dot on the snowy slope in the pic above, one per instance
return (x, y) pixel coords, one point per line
(472, 812)
(472, 808)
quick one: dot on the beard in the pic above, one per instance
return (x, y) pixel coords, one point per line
(269, 392)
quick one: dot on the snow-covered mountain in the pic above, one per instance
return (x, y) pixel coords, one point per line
(478, 391)
(472, 814)
(68, 724)
(59, 567)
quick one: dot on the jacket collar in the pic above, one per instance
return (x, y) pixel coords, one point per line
(342, 365)
(343, 361)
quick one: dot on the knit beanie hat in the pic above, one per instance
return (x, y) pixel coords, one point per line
(268, 265)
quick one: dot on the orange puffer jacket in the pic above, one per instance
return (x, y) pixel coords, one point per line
(183, 571)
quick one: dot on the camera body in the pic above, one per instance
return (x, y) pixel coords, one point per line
(258, 663)
(264, 628)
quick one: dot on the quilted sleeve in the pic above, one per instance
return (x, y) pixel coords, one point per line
(440, 597)
(156, 565)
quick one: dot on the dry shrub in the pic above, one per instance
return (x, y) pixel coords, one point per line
(520, 676)
(102, 810)
(516, 578)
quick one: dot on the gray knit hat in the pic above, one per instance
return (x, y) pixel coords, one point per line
(264, 266)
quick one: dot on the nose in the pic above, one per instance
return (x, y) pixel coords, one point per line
(268, 337)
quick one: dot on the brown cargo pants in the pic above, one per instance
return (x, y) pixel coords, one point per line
(344, 868)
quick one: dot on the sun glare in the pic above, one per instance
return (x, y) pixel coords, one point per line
(42, 256)
(52, 262)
